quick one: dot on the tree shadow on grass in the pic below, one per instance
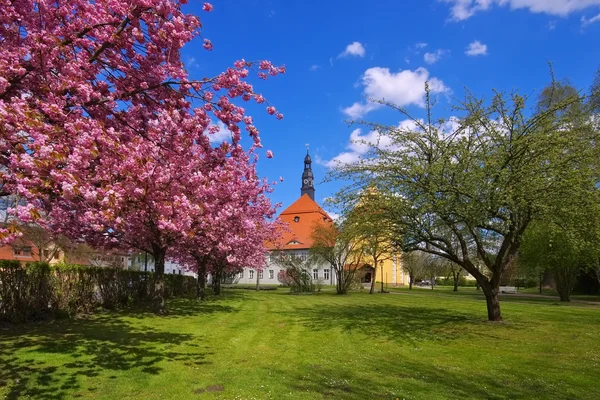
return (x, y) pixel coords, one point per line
(49, 360)
(182, 307)
(406, 323)
(415, 380)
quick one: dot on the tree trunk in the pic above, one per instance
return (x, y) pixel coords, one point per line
(201, 282)
(432, 281)
(159, 280)
(456, 278)
(410, 282)
(373, 281)
(477, 286)
(257, 280)
(341, 284)
(541, 279)
(493, 303)
(216, 283)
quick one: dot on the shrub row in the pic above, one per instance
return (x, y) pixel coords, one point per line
(38, 290)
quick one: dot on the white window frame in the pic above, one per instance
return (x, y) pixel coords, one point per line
(271, 274)
(326, 274)
(315, 274)
(261, 274)
(251, 274)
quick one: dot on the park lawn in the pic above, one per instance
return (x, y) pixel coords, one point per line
(548, 295)
(273, 345)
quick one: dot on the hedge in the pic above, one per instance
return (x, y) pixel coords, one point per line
(39, 290)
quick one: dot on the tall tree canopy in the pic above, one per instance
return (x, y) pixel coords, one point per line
(80, 79)
(466, 189)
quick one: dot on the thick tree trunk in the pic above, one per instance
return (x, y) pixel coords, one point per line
(492, 301)
(257, 280)
(410, 282)
(159, 280)
(201, 282)
(456, 278)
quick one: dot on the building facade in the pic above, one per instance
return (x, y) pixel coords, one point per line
(301, 217)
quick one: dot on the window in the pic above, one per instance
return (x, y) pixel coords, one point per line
(315, 274)
(296, 219)
(23, 251)
(302, 256)
(251, 274)
(260, 274)
(241, 274)
(326, 274)
(271, 274)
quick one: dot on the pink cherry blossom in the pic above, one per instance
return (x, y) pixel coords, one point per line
(117, 134)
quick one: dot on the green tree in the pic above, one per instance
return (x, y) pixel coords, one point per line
(371, 230)
(415, 263)
(547, 245)
(477, 181)
(336, 245)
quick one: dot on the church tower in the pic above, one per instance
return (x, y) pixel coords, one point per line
(308, 178)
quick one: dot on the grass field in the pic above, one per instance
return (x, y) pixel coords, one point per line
(272, 345)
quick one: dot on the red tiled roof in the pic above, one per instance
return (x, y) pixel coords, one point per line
(309, 214)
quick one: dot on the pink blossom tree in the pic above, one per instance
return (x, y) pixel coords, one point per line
(83, 77)
(102, 129)
(235, 223)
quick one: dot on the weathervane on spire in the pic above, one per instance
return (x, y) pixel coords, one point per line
(307, 146)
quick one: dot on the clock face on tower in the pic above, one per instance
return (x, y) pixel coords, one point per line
(306, 181)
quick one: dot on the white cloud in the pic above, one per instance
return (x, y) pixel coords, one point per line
(353, 49)
(314, 67)
(585, 21)
(420, 45)
(432, 58)
(221, 136)
(464, 9)
(357, 109)
(359, 145)
(192, 62)
(476, 48)
(402, 88)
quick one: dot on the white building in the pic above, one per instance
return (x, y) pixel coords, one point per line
(301, 217)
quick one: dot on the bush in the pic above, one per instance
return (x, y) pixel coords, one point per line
(38, 290)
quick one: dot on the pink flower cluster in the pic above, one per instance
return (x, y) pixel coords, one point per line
(104, 136)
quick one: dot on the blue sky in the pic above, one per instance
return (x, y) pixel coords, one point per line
(336, 51)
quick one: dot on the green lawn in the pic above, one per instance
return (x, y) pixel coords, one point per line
(272, 345)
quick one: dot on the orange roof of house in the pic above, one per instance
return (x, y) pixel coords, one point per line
(298, 235)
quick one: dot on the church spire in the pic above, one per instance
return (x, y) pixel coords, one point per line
(308, 178)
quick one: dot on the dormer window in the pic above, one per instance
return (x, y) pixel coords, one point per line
(296, 219)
